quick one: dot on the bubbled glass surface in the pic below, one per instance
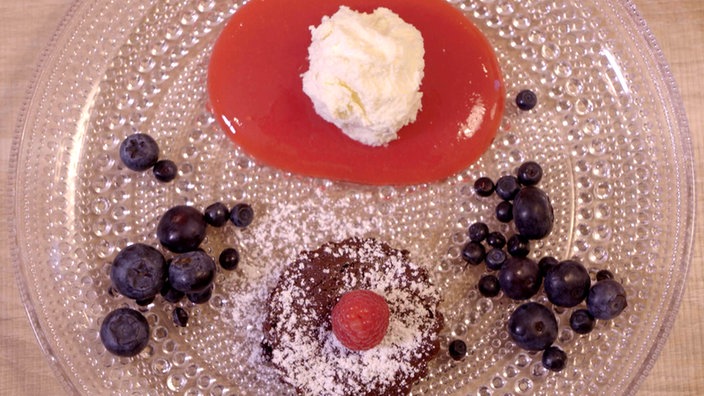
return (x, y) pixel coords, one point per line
(608, 130)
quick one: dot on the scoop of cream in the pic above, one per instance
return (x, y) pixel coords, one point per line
(365, 73)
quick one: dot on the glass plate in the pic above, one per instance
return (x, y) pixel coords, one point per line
(609, 130)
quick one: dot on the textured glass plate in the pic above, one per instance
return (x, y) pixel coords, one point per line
(609, 130)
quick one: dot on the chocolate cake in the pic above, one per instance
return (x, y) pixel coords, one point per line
(298, 327)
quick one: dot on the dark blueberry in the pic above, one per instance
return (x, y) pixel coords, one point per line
(484, 187)
(144, 302)
(495, 259)
(170, 294)
(489, 286)
(504, 211)
(473, 253)
(529, 173)
(518, 245)
(192, 272)
(526, 100)
(139, 152)
(606, 299)
(181, 229)
(546, 263)
(457, 349)
(582, 321)
(124, 332)
(507, 187)
(478, 232)
(532, 326)
(496, 239)
(229, 258)
(165, 170)
(554, 358)
(532, 213)
(520, 278)
(604, 274)
(180, 317)
(241, 215)
(567, 284)
(201, 297)
(216, 214)
(138, 271)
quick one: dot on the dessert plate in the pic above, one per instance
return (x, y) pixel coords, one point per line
(609, 131)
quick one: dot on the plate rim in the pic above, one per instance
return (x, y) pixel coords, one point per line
(643, 32)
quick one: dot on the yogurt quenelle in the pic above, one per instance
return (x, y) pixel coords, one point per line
(365, 73)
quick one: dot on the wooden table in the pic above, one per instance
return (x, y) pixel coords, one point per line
(25, 28)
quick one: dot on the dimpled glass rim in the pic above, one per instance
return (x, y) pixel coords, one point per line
(671, 99)
(57, 44)
(633, 24)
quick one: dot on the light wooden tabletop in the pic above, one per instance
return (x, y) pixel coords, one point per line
(26, 26)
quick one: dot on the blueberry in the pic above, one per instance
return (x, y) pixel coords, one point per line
(495, 259)
(606, 299)
(473, 253)
(496, 239)
(567, 284)
(217, 214)
(529, 173)
(582, 321)
(507, 187)
(138, 271)
(165, 170)
(145, 301)
(604, 274)
(526, 100)
(170, 294)
(229, 258)
(124, 332)
(546, 263)
(518, 245)
(180, 317)
(489, 286)
(533, 213)
(201, 297)
(181, 229)
(241, 215)
(520, 278)
(532, 326)
(484, 187)
(139, 152)
(192, 272)
(554, 358)
(457, 349)
(504, 211)
(478, 232)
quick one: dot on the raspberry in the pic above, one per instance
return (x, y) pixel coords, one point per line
(360, 319)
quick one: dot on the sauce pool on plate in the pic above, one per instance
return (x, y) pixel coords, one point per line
(255, 91)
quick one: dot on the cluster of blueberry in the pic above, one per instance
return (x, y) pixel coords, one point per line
(140, 271)
(140, 152)
(533, 326)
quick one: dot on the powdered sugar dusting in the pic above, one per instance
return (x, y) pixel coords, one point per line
(306, 350)
(283, 231)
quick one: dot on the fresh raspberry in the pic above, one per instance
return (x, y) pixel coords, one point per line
(360, 319)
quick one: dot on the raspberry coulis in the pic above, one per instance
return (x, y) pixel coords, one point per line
(255, 92)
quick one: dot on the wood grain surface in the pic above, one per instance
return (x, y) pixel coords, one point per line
(678, 25)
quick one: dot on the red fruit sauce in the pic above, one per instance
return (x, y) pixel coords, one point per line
(256, 94)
